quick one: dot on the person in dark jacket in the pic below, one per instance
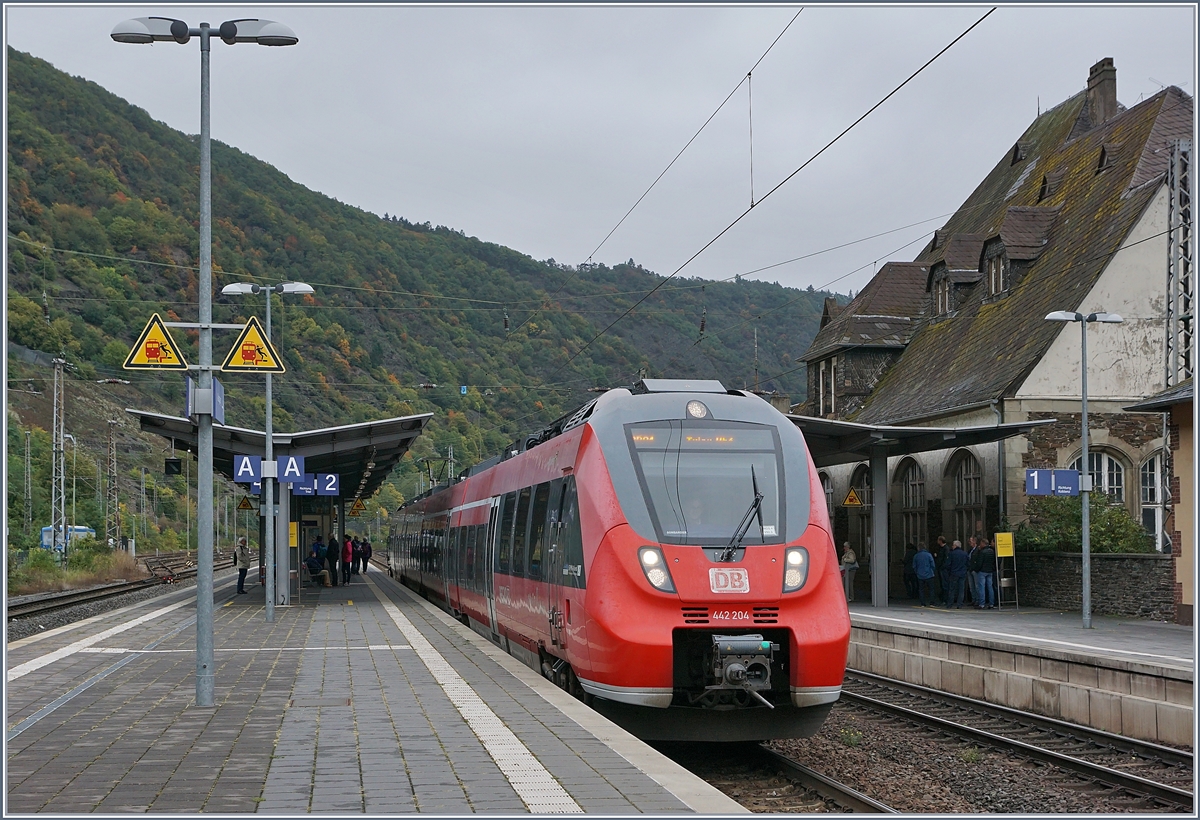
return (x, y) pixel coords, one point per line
(366, 557)
(924, 569)
(347, 557)
(972, 548)
(910, 577)
(943, 571)
(986, 576)
(332, 554)
(356, 555)
(316, 569)
(957, 570)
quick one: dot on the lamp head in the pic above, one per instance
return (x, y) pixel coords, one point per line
(263, 32)
(238, 288)
(293, 287)
(149, 29)
(1063, 316)
(1109, 318)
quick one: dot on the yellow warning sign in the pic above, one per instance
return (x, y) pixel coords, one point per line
(852, 499)
(245, 504)
(359, 506)
(155, 349)
(252, 351)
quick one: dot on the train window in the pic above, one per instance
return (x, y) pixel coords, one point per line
(571, 539)
(520, 530)
(480, 556)
(537, 530)
(699, 478)
(468, 570)
(504, 545)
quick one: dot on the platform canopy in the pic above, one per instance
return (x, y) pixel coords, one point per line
(362, 454)
(845, 442)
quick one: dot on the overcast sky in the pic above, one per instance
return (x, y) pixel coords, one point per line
(538, 128)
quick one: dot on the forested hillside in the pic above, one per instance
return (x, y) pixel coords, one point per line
(103, 232)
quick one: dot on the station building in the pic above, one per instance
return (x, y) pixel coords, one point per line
(1073, 217)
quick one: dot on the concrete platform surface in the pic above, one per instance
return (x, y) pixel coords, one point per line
(359, 699)
(1153, 643)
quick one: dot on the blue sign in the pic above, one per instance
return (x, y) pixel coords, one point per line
(290, 469)
(327, 483)
(307, 486)
(1039, 482)
(1052, 482)
(247, 469)
(189, 399)
(1066, 482)
(462, 389)
(256, 488)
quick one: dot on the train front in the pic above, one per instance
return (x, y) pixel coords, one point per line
(715, 610)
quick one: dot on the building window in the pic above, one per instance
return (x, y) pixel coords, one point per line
(941, 290)
(860, 517)
(826, 377)
(997, 268)
(1108, 476)
(968, 498)
(1152, 500)
(827, 486)
(912, 502)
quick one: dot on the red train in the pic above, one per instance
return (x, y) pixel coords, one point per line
(663, 553)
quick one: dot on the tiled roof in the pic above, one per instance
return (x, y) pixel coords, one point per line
(881, 315)
(984, 349)
(1178, 394)
(1026, 231)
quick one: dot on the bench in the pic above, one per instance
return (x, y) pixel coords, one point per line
(315, 579)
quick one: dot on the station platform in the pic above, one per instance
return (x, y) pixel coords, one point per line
(357, 699)
(1124, 675)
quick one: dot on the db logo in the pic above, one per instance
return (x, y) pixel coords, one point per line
(728, 580)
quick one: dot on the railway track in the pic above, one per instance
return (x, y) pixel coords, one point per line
(1157, 774)
(176, 566)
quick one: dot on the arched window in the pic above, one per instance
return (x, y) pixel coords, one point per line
(1152, 500)
(860, 517)
(827, 486)
(968, 497)
(1108, 476)
(911, 481)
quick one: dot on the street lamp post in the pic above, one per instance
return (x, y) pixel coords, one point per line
(268, 486)
(143, 30)
(1085, 479)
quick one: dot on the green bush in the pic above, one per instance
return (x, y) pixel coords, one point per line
(84, 553)
(1056, 525)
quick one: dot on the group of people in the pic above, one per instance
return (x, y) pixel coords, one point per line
(961, 575)
(353, 555)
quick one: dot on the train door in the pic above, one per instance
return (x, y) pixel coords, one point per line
(554, 564)
(453, 588)
(489, 565)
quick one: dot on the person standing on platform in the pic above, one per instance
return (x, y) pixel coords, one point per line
(910, 576)
(356, 551)
(924, 569)
(972, 548)
(347, 557)
(849, 568)
(241, 558)
(332, 551)
(941, 560)
(957, 562)
(986, 576)
(366, 559)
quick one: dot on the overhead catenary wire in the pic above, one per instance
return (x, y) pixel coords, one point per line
(779, 185)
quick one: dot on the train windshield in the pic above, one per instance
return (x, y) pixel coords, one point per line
(697, 480)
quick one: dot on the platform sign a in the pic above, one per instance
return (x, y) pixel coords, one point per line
(247, 469)
(289, 469)
(155, 349)
(253, 352)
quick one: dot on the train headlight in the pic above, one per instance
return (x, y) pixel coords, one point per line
(655, 567)
(795, 569)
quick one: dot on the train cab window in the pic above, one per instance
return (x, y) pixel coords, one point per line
(504, 543)
(520, 530)
(699, 479)
(537, 530)
(571, 539)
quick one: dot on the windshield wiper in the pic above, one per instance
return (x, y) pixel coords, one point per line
(744, 526)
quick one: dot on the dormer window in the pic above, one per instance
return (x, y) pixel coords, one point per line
(1019, 152)
(1051, 183)
(941, 296)
(1108, 155)
(826, 376)
(997, 270)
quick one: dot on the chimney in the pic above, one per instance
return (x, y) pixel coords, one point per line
(1102, 91)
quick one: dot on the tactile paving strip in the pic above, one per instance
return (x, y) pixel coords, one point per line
(529, 778)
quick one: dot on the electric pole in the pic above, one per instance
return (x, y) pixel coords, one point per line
(28, 484)
(58, 479)
(112, 516)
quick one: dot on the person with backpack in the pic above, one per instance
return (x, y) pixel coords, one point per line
(356, 552)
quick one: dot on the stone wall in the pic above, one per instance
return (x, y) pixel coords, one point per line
(1132, 585)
